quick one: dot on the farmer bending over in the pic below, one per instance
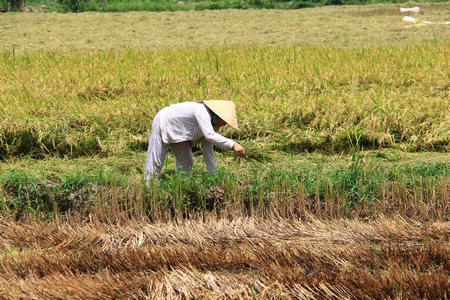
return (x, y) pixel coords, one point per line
(183, 125)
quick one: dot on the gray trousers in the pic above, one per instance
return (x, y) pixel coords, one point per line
(157, 150)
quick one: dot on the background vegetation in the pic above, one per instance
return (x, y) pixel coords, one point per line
(174, 5)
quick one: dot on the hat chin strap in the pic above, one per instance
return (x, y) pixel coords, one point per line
(215, 119)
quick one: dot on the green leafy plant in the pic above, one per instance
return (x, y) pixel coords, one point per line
(73, 5)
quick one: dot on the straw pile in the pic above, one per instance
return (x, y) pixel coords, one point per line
(221, 259)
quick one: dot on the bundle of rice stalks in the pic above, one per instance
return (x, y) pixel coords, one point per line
(253, 154)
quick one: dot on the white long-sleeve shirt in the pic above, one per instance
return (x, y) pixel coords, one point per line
(191, 121)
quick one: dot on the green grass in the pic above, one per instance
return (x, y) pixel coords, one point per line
(290, 186)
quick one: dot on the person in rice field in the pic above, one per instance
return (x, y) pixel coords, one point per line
(181, 126)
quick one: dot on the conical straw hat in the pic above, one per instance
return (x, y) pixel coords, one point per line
(224, 109)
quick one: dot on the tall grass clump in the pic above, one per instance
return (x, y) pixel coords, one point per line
(25, 194)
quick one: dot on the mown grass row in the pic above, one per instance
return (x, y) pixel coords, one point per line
(243, 258)
(293, 99)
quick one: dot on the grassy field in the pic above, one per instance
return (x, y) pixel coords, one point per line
(346, 26)
(345, 115)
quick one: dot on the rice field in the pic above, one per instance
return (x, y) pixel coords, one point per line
(344, 193)
(344, 26)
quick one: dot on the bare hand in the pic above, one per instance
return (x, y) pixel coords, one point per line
(238, 150)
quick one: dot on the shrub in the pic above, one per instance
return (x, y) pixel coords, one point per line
(73, 5)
